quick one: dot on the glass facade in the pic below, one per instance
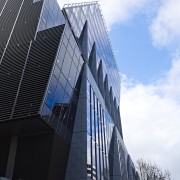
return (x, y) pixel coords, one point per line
(51, 15)
(105, 146)
(78, 14)
(99, 133)
(61, 96)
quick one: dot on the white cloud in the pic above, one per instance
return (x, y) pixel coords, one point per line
(150, 118)
(165, 27)
(115, 11)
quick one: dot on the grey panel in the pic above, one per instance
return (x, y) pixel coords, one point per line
(14, 41)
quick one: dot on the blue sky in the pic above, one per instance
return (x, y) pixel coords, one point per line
(135, 53)
(145, 36)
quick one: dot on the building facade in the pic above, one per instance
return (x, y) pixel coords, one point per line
(59, 94)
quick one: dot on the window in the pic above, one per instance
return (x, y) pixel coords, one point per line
(51, 91)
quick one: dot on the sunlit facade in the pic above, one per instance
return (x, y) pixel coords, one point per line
(59, 94)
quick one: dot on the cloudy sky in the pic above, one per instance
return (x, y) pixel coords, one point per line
(145, 36)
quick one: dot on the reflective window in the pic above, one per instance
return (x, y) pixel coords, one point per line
(51, 92)
(93, 159)
(97, 33)
(70, 49)
(61, 55)
(93, 124)
(75, 60)
(63, 81)
(61, 95)
(51, 15)
(58, 98)
(65, 41)
(56, 71)
(69, 89)
(89, 117)
(98, 163)
(66, 64)
(88, 155)
(46, 112)
(72, 75)
(97, 130)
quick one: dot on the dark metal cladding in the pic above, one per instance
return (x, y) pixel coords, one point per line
(2, 4)
(18, 28)
(37, 71)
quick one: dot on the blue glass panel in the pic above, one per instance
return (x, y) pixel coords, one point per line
(51, 92)
(69, 89)
(46, 112)
(66, 99)
(58, 99)
(63, 81)
(56, 71)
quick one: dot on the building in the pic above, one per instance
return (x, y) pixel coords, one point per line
(59, 94)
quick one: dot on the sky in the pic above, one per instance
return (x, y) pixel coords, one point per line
(145, 36)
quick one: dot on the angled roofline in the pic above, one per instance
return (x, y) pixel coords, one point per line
(103, 19)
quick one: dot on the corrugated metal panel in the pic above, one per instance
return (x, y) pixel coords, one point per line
(18, 26)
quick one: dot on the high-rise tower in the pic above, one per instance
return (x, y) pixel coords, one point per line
(59, 94)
